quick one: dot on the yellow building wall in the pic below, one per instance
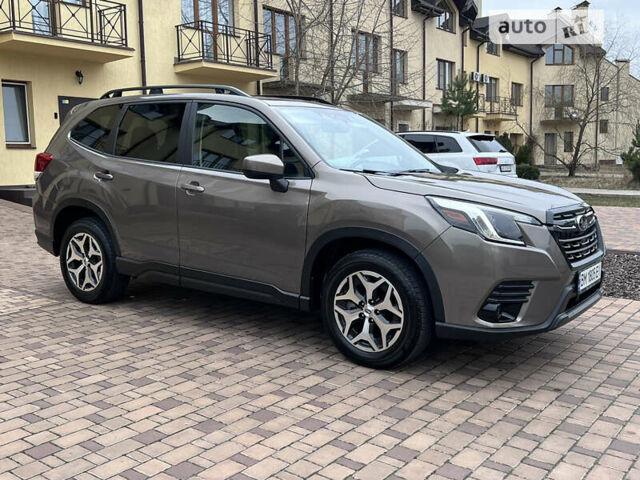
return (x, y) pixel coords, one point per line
(508, 67)
(49, 76)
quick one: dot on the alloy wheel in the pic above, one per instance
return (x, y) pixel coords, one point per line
(368, 311)
(84, 262)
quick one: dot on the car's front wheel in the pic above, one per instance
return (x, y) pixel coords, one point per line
(88, 262)
(376, 309)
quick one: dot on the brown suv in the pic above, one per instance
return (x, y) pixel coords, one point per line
(311, 206)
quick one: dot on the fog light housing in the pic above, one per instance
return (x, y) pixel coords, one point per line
(504, 303)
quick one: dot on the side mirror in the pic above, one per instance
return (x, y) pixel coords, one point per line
(266, 167)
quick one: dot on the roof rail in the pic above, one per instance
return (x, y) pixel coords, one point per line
(159, 89)
(297, 97)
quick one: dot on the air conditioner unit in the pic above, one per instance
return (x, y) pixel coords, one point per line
(485, 78)
(475, 76)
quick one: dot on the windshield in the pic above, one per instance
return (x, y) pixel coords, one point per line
(349, 141)
(486, 143)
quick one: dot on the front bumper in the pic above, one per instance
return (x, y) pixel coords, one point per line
(469, 268)
(557, 319)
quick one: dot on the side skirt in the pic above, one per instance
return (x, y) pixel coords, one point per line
(210, 282)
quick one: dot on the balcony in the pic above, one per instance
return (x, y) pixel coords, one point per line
(557, 114)
(226, 52)
(497, 108)
(89, 30)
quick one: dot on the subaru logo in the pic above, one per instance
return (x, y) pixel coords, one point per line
(583, 222)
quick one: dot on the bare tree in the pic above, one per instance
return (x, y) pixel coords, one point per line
(592, 88)
(342, 47)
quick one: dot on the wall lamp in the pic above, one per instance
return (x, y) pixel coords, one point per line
(80, 77)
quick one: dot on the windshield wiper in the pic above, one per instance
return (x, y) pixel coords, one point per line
(367, 170)
(413, 170)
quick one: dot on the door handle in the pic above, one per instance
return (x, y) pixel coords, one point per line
(192, 187)
(103, 176)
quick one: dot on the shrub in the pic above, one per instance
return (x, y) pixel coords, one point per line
(523, 156)
(528, 172)
(505, 141)
(631, 157)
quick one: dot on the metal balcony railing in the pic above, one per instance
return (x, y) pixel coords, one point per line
(502, 105)
(213, 42)
(94, 21)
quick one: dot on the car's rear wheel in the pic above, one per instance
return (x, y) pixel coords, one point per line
(88, 262)
(376, 309)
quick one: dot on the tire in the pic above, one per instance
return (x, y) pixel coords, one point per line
(91, 243)
(407, 305)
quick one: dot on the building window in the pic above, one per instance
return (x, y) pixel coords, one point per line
(493, 49)
(604, 126)
(559, 54)
(399, 7)
(444, 74)
(558, 96)
(492, 89)
(445, 20)
(399, 66)
(365, 51)
(568, 141)
(215, 11)
(282, 28)
(516, 94)
(604, 94)
(16, 113)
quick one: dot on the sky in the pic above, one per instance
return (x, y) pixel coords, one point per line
(620, 16)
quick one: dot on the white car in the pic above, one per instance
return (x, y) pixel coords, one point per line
(464, 150)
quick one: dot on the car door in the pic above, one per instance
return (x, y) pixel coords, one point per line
(137, 184)
(237, 233)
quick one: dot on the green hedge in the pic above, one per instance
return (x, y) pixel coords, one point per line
(528, 172)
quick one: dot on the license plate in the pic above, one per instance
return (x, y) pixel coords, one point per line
(505, 168)
(589, 277)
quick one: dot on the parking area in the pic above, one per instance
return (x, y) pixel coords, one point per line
(171, 383)
(621, 227)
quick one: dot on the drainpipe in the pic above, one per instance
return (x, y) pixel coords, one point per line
(462, 69)
(143, 60)
(257, 32)
(478, 70)
(332, 78)
(531, 96)
(393, 67)
(424, 70)
(464, 32)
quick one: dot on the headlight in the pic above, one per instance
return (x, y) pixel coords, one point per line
(491, 223)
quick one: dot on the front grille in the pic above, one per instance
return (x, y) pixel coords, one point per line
(576, 232)
(504, 303)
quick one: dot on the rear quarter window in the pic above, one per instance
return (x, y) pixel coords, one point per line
(93, 131)
(486, 143)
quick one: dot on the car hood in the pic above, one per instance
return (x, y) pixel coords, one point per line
(524, 196)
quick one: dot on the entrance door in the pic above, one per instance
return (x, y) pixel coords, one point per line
(550, 148)
(65, 104)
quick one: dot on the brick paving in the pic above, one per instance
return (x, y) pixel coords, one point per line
(620, 227)
(171, 383)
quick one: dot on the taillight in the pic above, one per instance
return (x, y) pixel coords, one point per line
(485, 160)
(42, 161)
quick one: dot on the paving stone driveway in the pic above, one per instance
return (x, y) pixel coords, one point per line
(620, 227)
(171, 383)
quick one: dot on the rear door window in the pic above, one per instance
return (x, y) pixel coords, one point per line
(424, 143)
(447, 145)
(94, 130)
(151, 131)
(486, 143)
